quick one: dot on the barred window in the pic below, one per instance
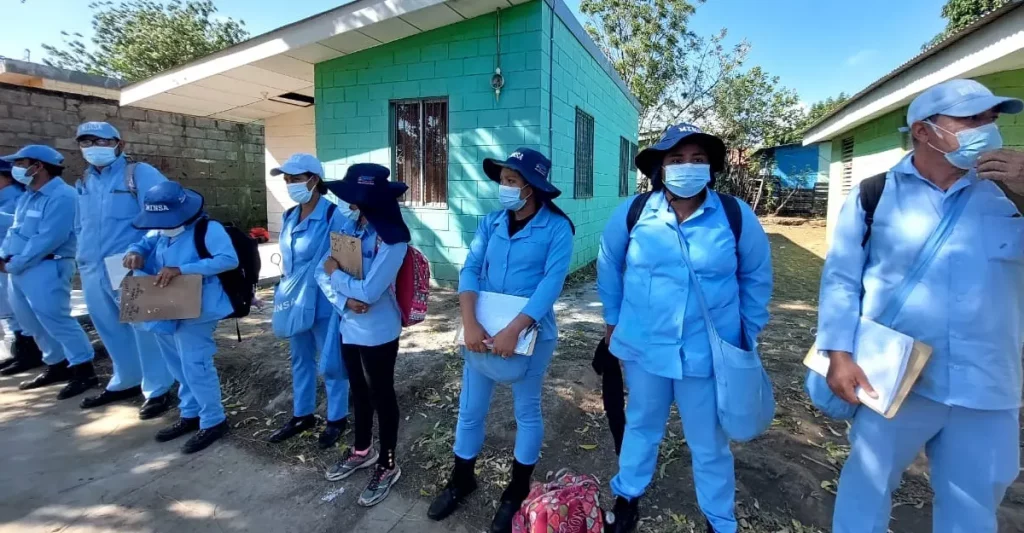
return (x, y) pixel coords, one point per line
(627, 164)
(584, 183)
(419, 148)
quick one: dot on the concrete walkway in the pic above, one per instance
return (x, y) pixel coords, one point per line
(73, 471)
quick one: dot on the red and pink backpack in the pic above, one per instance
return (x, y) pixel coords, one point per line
(568, 504)
(412, 287)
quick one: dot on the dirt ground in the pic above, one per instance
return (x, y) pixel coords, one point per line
(786, 479)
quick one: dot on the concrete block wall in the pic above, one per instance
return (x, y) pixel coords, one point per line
(353, 94)
(577, 80)
(223, 160)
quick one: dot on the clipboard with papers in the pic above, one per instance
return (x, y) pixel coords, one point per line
(495, 311)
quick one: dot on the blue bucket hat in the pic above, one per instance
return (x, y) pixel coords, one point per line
(959, 98)
(37, 152)
(649, 159)
(532, 165)
(167, 206)
(100, 130)
(300, 164)
(366, 185)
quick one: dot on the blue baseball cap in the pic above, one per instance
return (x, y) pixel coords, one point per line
(531, 164)
(100, 130)
(649, 159)
(167, 206)
(959, 98)
(300, 164)
(37, 152)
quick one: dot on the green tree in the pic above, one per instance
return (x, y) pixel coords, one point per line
(962, 13)
(671, 70)
(820, 110)
(139, 38)
(752, 109)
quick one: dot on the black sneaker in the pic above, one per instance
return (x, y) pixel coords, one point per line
(332, 433)
(109, 396)
(182, 427)
(83, 378)
(53, 374)
(291, 428)
(156, 406)
(202, 440)
(624, 517)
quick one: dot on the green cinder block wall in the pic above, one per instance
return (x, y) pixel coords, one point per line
(353, 94)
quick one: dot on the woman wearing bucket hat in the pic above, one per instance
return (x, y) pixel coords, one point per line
(188, 347)
(659, 316)
(522, 250)
(302, 313)
(371, 320)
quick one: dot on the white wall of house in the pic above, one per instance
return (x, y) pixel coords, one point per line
(285, 135)
(824, 162)
(864, 166)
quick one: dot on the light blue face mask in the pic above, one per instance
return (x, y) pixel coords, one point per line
(973, 143)
(100, 156)
(687, 180)
(348, 210)
(299, 192)
(509, 197)
(173, 232)
(21, 175)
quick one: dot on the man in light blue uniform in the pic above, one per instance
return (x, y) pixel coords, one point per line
(968, 306)
(38, 253)
(25, 355)
(655, 322)
(108, 201)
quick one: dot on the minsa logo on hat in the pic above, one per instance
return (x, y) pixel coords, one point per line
(365, 180)
(968, 89)
(91, 126)
(516, 155)
(541, 169)
(182, 198)
(687, 128)
(157, 208)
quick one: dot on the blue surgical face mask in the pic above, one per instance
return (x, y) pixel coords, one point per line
(349, 211)
(300, 192)
(509, 197)
(100, 156)
(687, 180)
(21, 175)
(973, 143)
(172, 233)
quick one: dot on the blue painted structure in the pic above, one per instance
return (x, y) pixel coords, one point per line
(795, 166)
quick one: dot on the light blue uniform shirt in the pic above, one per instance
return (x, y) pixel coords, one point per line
(969, 306)
(305, 241)
(531, 264)
(383, 322)
(160, 251)
(647, 294)
(8, 204)
(44, 222)
(106, 209)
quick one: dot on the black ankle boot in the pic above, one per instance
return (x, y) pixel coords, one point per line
(83, 378)
(624, 517)
(26, 356)
(294, 426)
(513, 497)
(461, 484)
(53, 374)
(332, 433)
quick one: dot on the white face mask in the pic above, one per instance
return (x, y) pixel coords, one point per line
(350, 211)
(172, 233)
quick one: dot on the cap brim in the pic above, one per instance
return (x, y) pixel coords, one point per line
(975, 106)
(171, 219)
(90, 134)
(291, 170)
(354, 193)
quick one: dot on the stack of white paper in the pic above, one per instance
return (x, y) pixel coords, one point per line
(495, 311)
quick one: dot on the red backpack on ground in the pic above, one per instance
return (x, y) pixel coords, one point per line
(569, 504)
(412, 287)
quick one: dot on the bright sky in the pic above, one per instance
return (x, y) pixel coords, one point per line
(818, 47)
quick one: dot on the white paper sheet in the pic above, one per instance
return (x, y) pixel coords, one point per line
(115, 270)
(494, 311)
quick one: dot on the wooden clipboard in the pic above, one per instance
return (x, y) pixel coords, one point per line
(348, 252)
(143, 301)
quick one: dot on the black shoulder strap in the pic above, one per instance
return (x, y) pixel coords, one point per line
(735, 217)
(129, 178)
(331, 208)
(200, 238)
(870, 194)
(635, 209)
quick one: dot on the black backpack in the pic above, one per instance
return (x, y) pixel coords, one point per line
(729, 203)
(240, 282)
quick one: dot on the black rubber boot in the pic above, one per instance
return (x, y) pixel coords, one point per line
(53, 374)
(83, 378)
(513, 497)
(624, 517)
(460, 485)
(26, 356)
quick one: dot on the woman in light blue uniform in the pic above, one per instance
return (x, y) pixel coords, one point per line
(173, 213)
(302, 312)
(522, 250)
(655, 322)
(371, 320)
(25, 355)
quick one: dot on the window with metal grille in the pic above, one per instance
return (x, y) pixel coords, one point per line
(627, 158)
(419, 148)
(584, 183)
(847, 160)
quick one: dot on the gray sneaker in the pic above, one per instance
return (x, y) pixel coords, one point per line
(380, 485)
(349, 463)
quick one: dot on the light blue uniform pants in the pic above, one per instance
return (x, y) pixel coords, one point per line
(7, 318)
(475, 402)
(41, 299)
(973, 457)
(189, 354)
(134, 353)
(304, 347)
(647, 412)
